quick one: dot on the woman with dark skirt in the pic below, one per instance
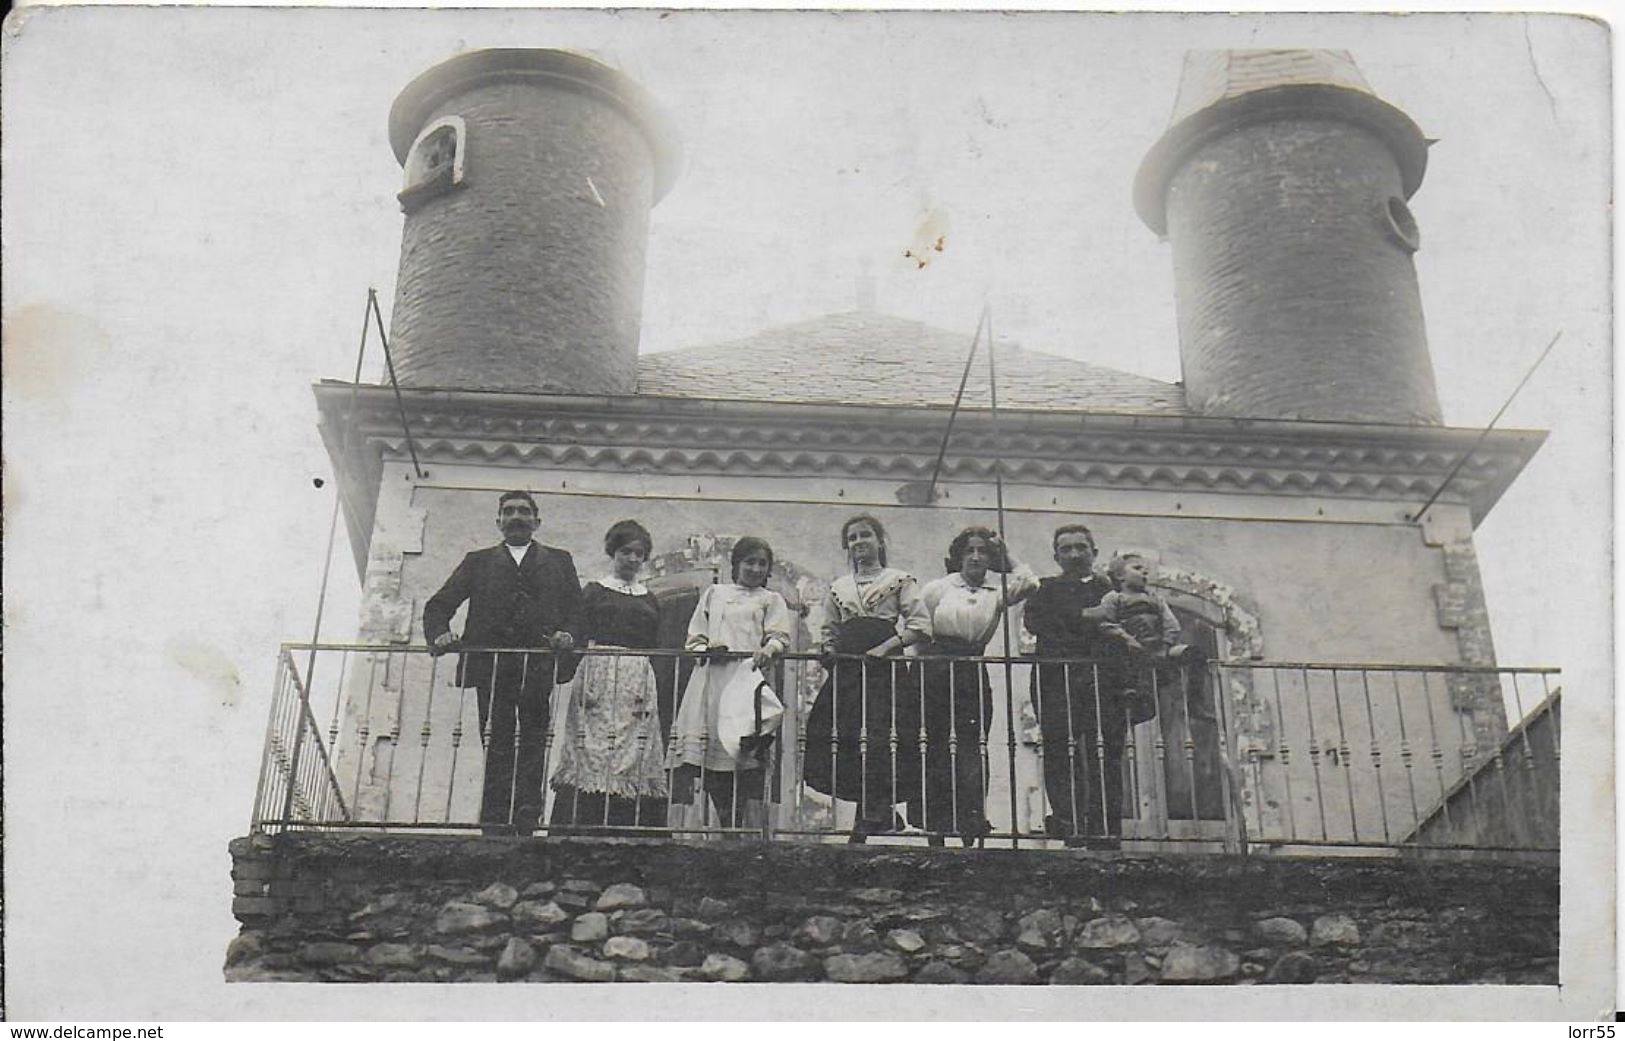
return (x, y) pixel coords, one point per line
(865, 720)
(612, 770)
(966, 608)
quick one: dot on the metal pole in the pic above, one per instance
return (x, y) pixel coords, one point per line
(332, 532)
(333, 523)
(964, 377)
(1004, 576)
(1454, 470)
(411, 446)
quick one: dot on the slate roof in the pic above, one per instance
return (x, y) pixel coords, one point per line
(866, 358)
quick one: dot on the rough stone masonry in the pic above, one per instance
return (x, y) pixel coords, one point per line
(448, 909)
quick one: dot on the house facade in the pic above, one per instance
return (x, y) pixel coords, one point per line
(1278, 486)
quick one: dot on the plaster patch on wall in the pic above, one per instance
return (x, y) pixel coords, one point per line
(372, 716)
(700, 552)
(398, 529)
(1242, 631)
(1460, 606)
(372, 704)
(405, 530)
(386, 616)
(1248, 711)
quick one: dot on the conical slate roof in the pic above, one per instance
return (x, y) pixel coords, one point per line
(1222, 90)
(865, 358)
(1213, 76)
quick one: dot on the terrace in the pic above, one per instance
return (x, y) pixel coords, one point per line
(1355, 839)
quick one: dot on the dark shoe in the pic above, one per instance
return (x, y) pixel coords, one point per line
(1056, 828)
(935, 840)
(863, 828)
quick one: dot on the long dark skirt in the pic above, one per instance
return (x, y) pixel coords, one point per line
(862, 733)
(958, 710)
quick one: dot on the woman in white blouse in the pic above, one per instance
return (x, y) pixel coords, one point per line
(966, 606)
(865, 723)
(739, 616)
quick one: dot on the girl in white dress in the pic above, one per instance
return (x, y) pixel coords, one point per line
(739, 624)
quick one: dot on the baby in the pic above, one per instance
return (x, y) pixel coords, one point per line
(1137, 618)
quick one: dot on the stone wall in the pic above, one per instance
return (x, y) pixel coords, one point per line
(447, 909)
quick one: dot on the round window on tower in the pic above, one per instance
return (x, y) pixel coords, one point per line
(435, 163)
(1401, 225)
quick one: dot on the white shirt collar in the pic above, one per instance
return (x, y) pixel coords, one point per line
(633, 588)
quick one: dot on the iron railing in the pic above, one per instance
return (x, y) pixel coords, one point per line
(297, 783)
(1252, 756)
(1398, 756)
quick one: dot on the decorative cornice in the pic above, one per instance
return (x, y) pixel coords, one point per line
(458, 430)
(642, 459)
(645, 434)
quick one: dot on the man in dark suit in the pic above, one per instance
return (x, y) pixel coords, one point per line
(519, 594)
(1080, 706)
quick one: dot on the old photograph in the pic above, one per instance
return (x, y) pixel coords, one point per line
(498, 501)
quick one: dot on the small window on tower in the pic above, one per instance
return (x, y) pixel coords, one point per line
(1401, 226)
(435, 163)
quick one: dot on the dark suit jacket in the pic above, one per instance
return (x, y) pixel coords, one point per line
(1054, 614)
(509, 605)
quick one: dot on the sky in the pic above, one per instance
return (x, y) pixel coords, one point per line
(198, 200)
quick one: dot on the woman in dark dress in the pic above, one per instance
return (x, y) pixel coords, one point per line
(612, 769)
(865, 720)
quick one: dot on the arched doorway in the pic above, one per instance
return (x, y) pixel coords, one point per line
(1182, 785)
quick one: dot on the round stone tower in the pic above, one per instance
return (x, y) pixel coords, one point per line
(1281, 185)
(529, 176)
